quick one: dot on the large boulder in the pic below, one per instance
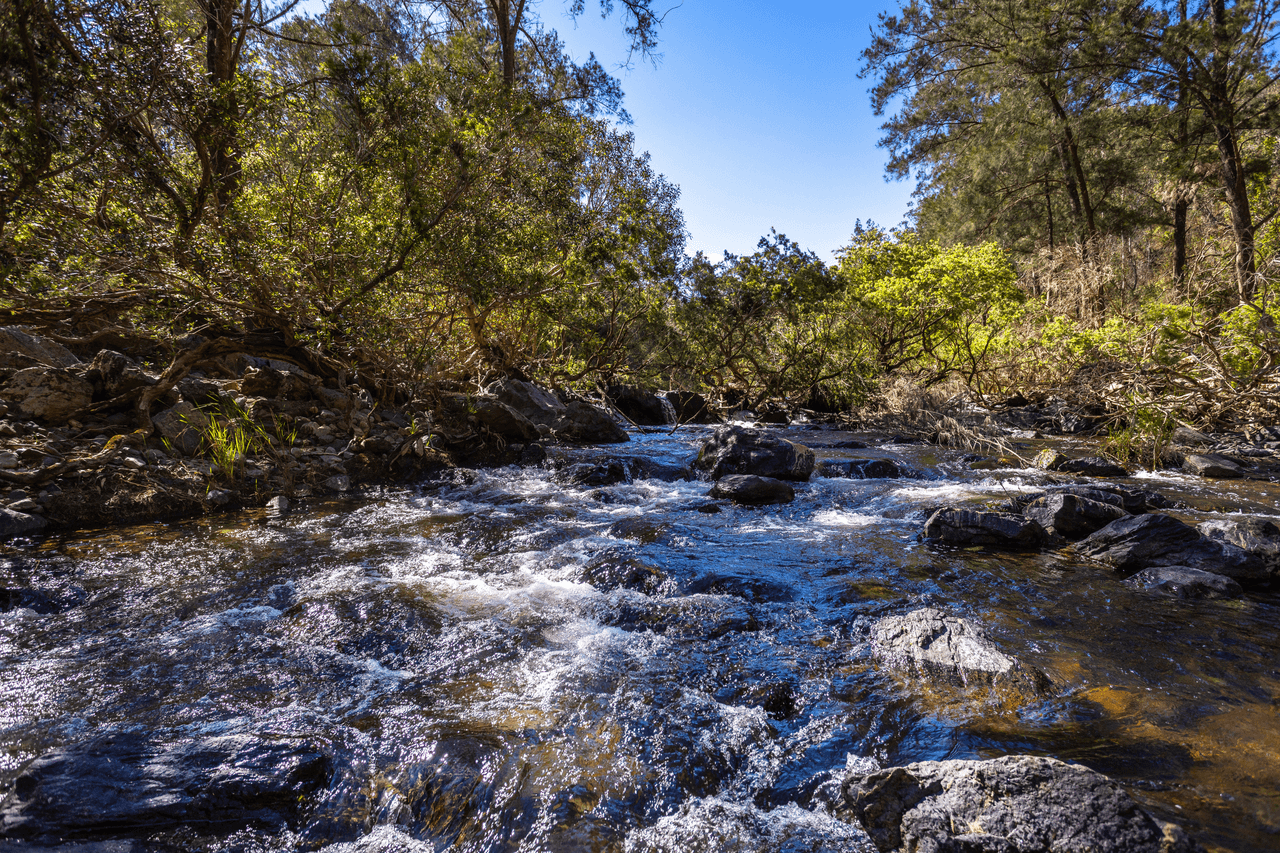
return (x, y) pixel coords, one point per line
(1072, 516)
(1092, 466)
(19, 349)
(968, 527)
(183, 426)
(1143, 541)
(490, 414)
(1185, 582)
(51, 394)
(1212, 465)
(128, 781)
(863, 469)
(692, 408)
(1132, 500)
(751, 490)
(736, 450)
(953, 649)
(114, 373)
(584, 423)
(1257, 536)
(536, 404)
(643, 407)
(14, 523)
(1014, 804)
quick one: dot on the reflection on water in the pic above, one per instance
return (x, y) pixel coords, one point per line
(504, 662)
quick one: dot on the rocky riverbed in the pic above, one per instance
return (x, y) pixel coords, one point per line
(500, 620)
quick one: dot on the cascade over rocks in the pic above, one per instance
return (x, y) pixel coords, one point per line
(736, 450)
(1014, 804)
(1144, 541)
(965, 527)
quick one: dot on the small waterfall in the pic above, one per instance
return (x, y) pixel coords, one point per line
(668, 411)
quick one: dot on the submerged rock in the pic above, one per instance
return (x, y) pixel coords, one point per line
(1072, 516)
(735, 450)
(965, 527)
(752, 490)
(130, 781)
(1014, 804)
(863, 469)
(1186, 582)
(952, 648)
(1143, 541)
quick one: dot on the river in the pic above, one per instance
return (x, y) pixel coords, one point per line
(503, 661)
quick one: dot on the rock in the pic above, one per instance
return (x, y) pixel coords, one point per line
(608, 473)
(1072, 516)
(751, 490)
(584, 423)
(1049, 460)
(1189, 437)
(691, 408)
(952, 648)
(987, 529)
(1255, 536)
(278, 505)
(1092, 466)
(8, 461)
(644, 408)
(1143, 541)
(1014, 804)
(735, 450)
(219, 497)
(51, 394)
(267, 381)
(1185, 582)
(1132, 500)
(19, 349)
(338, 483)
(862, 469)
(492, 414)
(1212, 465)
(113, 373)
(14, 523)
(539, 406)
(183, 426)
(129, 781)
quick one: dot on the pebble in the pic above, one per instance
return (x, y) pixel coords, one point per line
(25, 505)
(133, 463)
(8, 461)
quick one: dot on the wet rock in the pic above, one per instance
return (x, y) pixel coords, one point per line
(1133, 501)
(1212, 465)
(863, 469)
(751, 490)
(639, 528)
(735, 450)
(606, 473)
(490, 413)
(219, 497)
(719, 824)
(14, 523)
(770, 413)
(278, 505)
(651, 469)
(52, 394)
(1257, 536)
(702, 616)
(643, 407)
(692, 408)
(183, 426)
(1092, 466)
(1186, 582)
(19, 349)
(1050, 460)
(952, 648)
(132, 782)
(1072, 516)
(1014, 804)
(338, 483)
(584, 423)
(1143, 541)
(617, 570)
(965, 527)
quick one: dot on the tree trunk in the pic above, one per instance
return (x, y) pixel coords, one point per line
(223, 40)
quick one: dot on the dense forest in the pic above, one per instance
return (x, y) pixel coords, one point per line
(434, 194)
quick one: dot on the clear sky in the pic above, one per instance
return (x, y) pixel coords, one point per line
(756, 111)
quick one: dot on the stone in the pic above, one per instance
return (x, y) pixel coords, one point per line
(52, 394)
(267, 381)
(643, 407)
(608, 473)
(8, 461)
(584, 423)
(862, 469)
(1213, 465)
(1189, 437)
(1014, 804)
(736, 450)
(536, 404)
(691, 408)
(184, 427)
(126, 780)
(1072, 516)
(278, 505)
(1156, 539)
(1049, 460)
(338, 483)
(219, 497)
(19, 349)
(1133, 501)
(114, 373)
(1003, 530)
(1092, 466)
(751, 490)
(1256, 536)
(15, 523)
(952, 648)
(1186, 582)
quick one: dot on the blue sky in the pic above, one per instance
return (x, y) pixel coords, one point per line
(756, 111)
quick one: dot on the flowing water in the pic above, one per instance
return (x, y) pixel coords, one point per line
(505, 662)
